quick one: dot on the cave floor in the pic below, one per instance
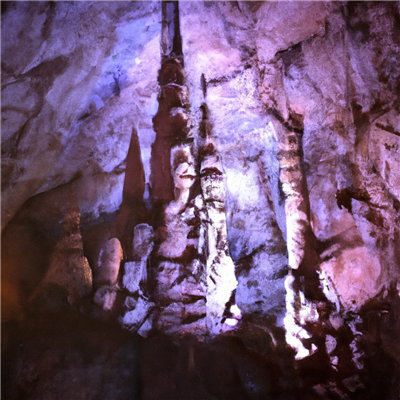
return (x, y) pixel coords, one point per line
(65, 355)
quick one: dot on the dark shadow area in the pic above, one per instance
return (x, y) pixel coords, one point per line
(66, 355)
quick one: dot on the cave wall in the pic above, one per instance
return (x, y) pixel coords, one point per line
(212, 168)
(303, 106)
(76, 78)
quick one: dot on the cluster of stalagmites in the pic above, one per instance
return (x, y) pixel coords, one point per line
(170, 269)
(176, 272)
(173, 273)
(186, 281)
(179, 276)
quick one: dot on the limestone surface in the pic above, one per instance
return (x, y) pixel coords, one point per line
(243, 157)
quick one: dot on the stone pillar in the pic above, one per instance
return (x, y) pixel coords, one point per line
(69, 277)
(135, 274)
(109, 262)
(302, 283)
(220, 270)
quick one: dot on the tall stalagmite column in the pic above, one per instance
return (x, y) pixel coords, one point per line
(220, 270)
(193, 274)
(170, 122)
(302, 283)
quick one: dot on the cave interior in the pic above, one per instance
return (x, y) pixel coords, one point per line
(200, 200)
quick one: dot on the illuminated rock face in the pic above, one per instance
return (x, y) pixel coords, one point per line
(220, 269)
(192, 274)
(241, 156)
(195, 289)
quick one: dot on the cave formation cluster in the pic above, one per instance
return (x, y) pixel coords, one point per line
(214, 187)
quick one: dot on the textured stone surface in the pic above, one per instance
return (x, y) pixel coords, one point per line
(69, 277)
(109, 262)
(244, 154)
(327, 71)
(96, 62)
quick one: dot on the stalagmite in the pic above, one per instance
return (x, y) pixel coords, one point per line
(110, 257)
(191, 276)
(137, 307)
(132, 210)
(220, 270)
(135, 274)
(302, 257)
(69, 277)
(109, 262)
(200, 290)
(180, 277)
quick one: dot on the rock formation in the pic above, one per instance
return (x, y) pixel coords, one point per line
(191, 275)
(69, 276)
(220, 178)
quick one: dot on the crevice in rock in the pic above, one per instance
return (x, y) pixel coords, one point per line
(192, 318)
(388, 128)
(50, 15)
